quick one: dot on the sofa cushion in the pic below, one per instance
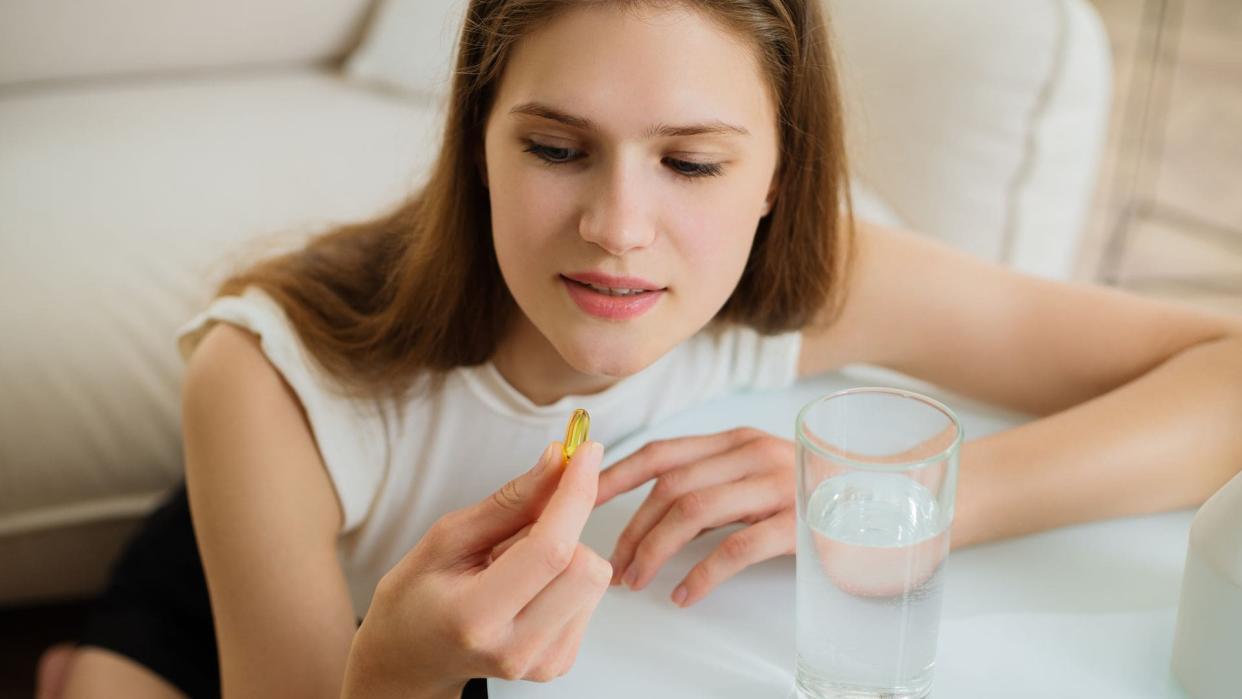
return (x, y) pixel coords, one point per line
(121, 208)
(409, 46)
(981, 122)
(54, 39)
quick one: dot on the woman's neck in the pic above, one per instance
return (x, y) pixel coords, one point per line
(532, 365)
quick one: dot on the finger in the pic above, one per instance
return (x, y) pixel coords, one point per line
(519, 644)
(580, 586)
(658, 457)
(559, 657)
(517, 503)
(772, 537)
(701, 510)
(567, 510)
(536, 559)
(713, 470)
(503, 546)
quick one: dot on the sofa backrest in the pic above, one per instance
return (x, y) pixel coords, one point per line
(44, 40)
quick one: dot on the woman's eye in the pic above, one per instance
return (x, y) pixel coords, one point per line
(550, 154)
(689, 169)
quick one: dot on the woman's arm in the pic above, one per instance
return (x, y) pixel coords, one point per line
(1140, 399)
(1165, 440)
(266, 519)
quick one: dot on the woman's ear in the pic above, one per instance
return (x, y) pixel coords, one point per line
(770, 200)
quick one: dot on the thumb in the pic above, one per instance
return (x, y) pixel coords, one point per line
(516, 504)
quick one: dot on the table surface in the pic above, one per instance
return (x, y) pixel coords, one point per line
(1081, 611)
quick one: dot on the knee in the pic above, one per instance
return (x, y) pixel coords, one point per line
(53, 670)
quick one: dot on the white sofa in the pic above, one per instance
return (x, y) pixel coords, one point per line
(146, 146)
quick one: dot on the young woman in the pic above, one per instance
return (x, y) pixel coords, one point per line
(637, 206)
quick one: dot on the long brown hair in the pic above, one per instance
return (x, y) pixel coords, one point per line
(418, 291)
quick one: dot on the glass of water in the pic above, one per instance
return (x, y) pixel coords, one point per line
(877, 472)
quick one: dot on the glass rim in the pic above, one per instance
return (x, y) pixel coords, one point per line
(801, 437)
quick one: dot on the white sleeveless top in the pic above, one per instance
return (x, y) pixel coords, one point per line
(456, 446)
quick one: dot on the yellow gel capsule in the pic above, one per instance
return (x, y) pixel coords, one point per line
(576, 432)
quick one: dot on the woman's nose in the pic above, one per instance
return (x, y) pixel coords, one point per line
(615, 216)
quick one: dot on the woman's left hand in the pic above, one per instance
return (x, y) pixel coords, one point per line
(703, 482)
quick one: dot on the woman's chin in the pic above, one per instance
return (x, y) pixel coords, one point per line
(611, 360)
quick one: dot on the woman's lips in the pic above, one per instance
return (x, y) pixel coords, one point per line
(608, 307)
(609, 281)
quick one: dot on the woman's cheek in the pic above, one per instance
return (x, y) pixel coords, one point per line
(717, 247)
(526, 219)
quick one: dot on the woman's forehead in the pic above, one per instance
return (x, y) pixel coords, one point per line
(626, 74)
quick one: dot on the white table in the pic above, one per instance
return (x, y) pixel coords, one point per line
(1083, 611)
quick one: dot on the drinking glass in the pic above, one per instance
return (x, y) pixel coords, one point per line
(876, 478)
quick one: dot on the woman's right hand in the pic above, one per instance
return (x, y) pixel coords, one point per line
(460, 605)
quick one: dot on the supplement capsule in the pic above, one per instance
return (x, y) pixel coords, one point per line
(576, 432)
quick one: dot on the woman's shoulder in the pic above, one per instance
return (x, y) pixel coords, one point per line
(247, 341)
(252, 311)
(237, 412)
(224, 349)
(229, 355)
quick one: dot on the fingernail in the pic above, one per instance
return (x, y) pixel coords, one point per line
(679, 595)
(631, 576)
(617, 571)
(596, 453)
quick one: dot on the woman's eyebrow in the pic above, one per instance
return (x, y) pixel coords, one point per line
(543, 111)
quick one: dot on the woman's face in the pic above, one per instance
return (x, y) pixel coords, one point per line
(627, 144)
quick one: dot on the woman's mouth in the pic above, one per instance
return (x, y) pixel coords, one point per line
(611, 303)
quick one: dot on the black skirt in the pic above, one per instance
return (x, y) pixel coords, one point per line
(155, 609)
